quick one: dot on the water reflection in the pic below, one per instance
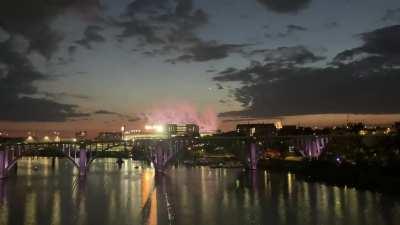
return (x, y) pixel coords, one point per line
(3, 191)
(133, 194)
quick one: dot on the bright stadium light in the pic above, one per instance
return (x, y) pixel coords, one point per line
(155, 128)
(29, 139)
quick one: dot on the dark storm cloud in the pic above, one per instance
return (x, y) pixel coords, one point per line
(27, 109)
(206, 51)
(91, 34)
(32, 20)
(169, 24)
(16, 89)
(381, 46)
(28, 25)
(392, 15)
(285, 6)
(367, 84)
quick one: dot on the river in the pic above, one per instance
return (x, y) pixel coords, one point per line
(42, 192)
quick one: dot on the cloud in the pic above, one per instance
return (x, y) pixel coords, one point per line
(147, 6)
(33, 20)
(134, 119)
(392, 15)
(285, 6)
(27, 109)
(379, 45)
(206, 51)
(17, 88)
(62, 95)
(111, 113)
(331, 25)
(140, 28)
(295, 55)
(4, 35)
(352, 84)
(169, 24)
(292, 29)
(105, 112)
(91, 34)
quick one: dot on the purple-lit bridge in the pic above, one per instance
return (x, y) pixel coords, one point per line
(81, 154)
(160, 152)
(250, 149)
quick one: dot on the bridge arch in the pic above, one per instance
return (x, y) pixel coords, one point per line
(84, 153)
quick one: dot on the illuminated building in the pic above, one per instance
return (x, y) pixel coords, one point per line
(109, 136)
(155, 128)
(187, 130)
(363, 132)
(30, 139)
(163, 131)
(81, 135)
(261, 129)
(122, 132)
(57, 139)
(150, 132)
(278, 125)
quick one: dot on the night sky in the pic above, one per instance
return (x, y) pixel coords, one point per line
(95, 65)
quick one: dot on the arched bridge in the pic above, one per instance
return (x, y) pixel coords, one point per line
(160, 152)
(249, 149)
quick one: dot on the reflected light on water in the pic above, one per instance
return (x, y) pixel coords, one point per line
(56, 210)
(30, 208)
(134, 195)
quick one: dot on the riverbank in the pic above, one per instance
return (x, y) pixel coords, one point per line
(214, 161)
(363, 177)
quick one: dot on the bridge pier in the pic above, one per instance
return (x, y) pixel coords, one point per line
(159, 159)
(3, 191)
(3, 164)
(253, 156)
(8, 160)
(162, 154)
(83, 162)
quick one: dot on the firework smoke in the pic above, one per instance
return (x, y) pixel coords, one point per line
(182, 113)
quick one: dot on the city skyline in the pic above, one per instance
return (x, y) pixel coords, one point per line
(96, 65)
